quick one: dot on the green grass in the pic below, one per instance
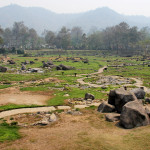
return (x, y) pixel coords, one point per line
(5, 86)
(59, 97)
(14, 106)
(8, 132)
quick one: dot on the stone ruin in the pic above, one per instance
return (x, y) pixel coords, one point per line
(126, 107)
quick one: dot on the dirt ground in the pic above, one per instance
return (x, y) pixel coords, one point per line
(15, 96)
(88, 131)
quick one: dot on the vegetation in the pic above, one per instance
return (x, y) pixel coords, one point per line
(8, 132)
(120, 39)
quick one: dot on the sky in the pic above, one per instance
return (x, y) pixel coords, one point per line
(127, 7)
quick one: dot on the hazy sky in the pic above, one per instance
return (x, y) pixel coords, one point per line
(129, 7)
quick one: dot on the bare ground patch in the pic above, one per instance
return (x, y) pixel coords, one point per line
(15, 96)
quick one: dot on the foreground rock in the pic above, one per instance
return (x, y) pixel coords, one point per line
(133, 115)
(112, 117)
(106, 108)
(120, 97)
(139, 93)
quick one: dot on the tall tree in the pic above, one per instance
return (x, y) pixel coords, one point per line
(76, 36)
(50, 38)
(63, 38)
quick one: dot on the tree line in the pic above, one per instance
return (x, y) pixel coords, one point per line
(118, 38)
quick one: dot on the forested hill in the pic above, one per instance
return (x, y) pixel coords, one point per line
(40, 19)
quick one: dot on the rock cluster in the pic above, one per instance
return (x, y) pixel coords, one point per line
(46, 120)
(129, 108)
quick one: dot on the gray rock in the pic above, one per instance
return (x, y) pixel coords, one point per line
(120, 97)
(74, 112)
(147, 111)
(63, 67)
(3, 69)
(139, 93)
(112, 117)
(147, 100)
(106, 108)
(53, 118)
(23, 67)
(133, 115)
(89, 96)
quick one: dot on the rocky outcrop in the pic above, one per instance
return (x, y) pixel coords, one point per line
(139, 93)
(133, 115)
(106, 108)
(120, 97)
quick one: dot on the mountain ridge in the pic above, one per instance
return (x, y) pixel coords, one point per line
(41, 18)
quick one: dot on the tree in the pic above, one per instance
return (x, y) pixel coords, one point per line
(19, 34)
(76, 36)
(50, 38)
(84, 41)
(33, 38)
(95, 40)
(63, 39)
(1, 31)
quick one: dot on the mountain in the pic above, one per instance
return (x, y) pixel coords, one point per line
(40, 18)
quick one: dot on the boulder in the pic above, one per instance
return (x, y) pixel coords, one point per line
(89, 96)
(52, 118)
(133, 115)
(31, 62)
(106, 108)
(120, 97)
(65, 67)
(50, 63)
(147, 100)
(147, 111)
(3, 69)
(11, 62)
(112, 117)
(139, 93)
(23, 67)
(45, 65)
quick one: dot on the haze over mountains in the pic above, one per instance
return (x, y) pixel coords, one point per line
(40, 18)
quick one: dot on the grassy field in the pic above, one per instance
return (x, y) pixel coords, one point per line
(100, 134)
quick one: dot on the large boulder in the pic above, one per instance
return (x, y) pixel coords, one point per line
(112, 117)
(139, 93)
(133, 115)
(89, 96)
(106, 108)
(63, 67)
(3, 69)
(120, 97)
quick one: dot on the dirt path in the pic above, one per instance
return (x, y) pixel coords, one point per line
(81, 80)
(25, 110)
(138, 83)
